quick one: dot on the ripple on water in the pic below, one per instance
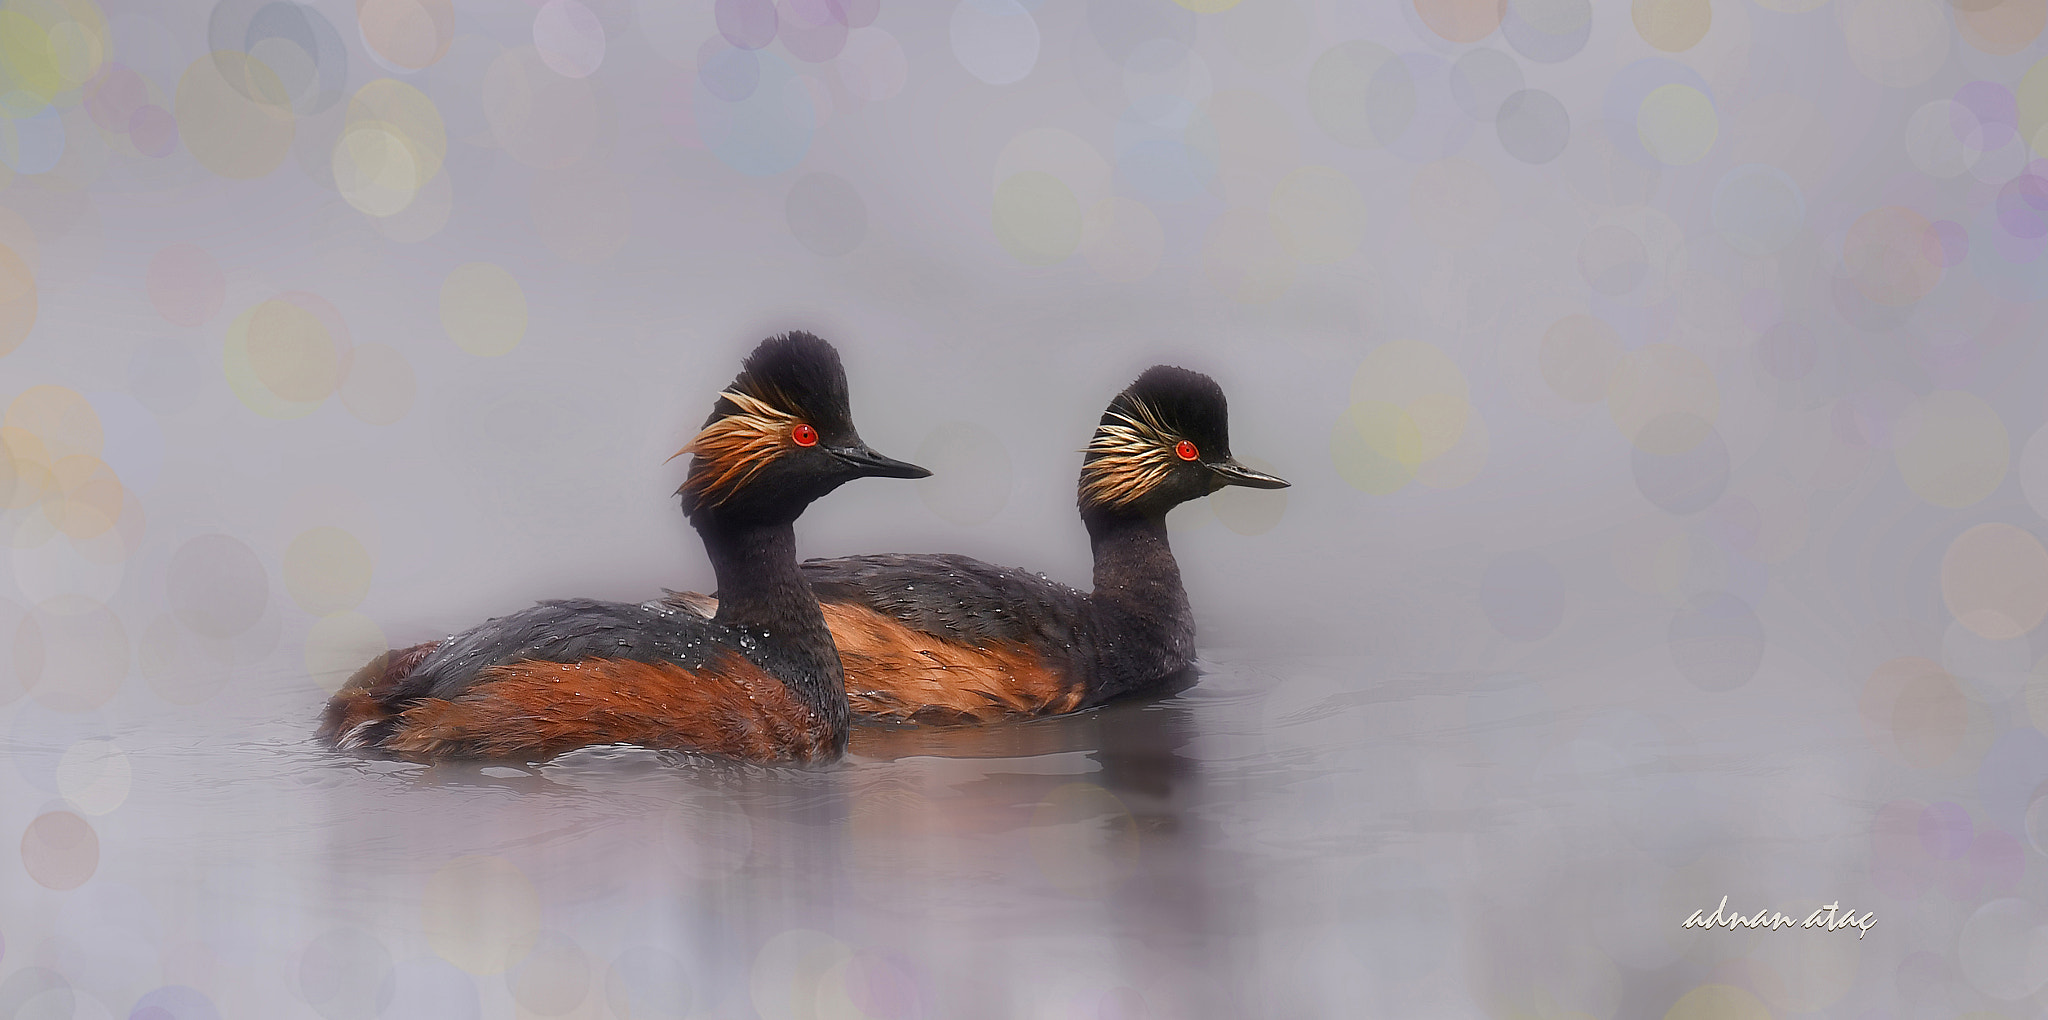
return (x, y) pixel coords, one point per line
(1259, 800)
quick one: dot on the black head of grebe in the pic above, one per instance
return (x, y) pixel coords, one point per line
(761, 681)
(1163, 441)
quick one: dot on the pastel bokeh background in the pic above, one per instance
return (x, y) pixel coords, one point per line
(1662, 384)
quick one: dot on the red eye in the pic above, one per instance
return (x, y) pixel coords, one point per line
(1186, 450)
(804, 435)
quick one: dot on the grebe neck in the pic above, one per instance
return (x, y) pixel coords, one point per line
(763, 598)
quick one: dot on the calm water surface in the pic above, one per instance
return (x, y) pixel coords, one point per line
(1289, 838)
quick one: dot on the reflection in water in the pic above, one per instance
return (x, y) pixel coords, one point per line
(1054, 865)
(1283, 838)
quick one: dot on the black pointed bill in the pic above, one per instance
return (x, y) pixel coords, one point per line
(865, 462)
(1230, 472)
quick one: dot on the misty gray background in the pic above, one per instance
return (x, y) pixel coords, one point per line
(1660, 384)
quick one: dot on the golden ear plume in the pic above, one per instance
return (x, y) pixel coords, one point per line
(1127, 458)
(733, 449)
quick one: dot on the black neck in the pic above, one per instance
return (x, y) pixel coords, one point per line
(762, 595)
(1138, 597)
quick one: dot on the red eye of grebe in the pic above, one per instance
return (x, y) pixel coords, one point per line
(804, 435)
(1186, 450)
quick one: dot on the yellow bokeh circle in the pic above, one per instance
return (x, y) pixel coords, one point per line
(48, 47)
(77, 51)
(375, 171)
(1677, 124)
(326, 570)
(1460, 463)
(789, 978)
(31, 67)
(17, 300)
(554, 979)
(483, 309)
(1037, 218)
(1401, 370)
(1376, 446)
(25, 472)
(1672, 25)
(1058, 153)
(1410, 413)
(291, 352)
(2031, 99)
(61, 420)
(1718, 1002)
(339, 644)
(425, 216)
(392, 144)
(283, 356)
(234, 115)
(86, 496)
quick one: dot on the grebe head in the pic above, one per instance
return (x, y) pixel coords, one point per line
(780, 436)
(1163, 441)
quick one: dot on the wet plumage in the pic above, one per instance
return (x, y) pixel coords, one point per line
(947, 638)
(760, 679)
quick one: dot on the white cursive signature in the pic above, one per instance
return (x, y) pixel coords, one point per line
(1823, 917)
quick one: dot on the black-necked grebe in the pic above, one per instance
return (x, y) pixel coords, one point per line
(945, 638)
(759, 681)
